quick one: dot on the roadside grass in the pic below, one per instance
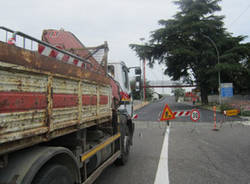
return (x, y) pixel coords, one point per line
(245, 113)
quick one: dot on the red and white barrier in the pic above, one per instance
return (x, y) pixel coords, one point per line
(46, 51)
(182, 113)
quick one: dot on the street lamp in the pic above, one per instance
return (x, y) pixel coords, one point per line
(218, 58)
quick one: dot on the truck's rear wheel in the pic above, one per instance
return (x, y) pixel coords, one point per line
(54, 174)
(125, 141)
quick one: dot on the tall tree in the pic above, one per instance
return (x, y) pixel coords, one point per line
(192, 43)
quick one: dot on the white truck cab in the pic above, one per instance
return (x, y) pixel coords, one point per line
(119, 71)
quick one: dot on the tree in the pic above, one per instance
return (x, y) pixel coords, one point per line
(235, 64)
(137, 95)
(187, 45)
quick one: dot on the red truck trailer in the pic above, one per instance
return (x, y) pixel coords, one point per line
(62, 119)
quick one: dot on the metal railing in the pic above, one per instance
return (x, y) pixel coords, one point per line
(24, 37)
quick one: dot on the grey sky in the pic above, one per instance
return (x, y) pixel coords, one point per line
(120, 22)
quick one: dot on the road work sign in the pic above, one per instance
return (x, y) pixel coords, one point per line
(233, 112)
(167, 114)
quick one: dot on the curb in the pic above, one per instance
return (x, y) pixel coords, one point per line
(246, 120)
(139, 106)
(200, 106)
(209, 108)
(245, 117)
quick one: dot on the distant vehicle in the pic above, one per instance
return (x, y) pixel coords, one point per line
(156, 96)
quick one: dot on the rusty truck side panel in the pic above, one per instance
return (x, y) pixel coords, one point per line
(33, 60)
(42, 98)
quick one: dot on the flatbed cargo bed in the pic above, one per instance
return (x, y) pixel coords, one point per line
(42, 98)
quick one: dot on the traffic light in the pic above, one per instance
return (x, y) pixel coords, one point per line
(137, 79)
(137, 71)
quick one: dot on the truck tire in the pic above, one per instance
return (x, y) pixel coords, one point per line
(54, 174)
(125, 141)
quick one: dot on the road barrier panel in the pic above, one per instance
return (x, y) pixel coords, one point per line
(182, 113)
(232, 112)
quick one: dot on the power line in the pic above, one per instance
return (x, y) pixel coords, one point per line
(242, 13)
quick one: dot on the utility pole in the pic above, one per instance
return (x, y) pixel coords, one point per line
(144, 76)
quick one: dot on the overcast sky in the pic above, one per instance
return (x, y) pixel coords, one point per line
(120, 22)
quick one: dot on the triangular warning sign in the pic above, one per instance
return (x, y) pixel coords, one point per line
(167, 114)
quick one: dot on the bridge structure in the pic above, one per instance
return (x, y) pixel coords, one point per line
(168, 84)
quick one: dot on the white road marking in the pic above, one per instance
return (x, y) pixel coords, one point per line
(162, 174)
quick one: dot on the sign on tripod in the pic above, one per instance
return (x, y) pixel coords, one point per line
(195, 115)
(167, 114)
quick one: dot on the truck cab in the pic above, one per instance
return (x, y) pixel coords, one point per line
(119, 72)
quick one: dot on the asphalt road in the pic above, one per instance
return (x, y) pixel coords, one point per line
(196, 154)
(143, 159)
